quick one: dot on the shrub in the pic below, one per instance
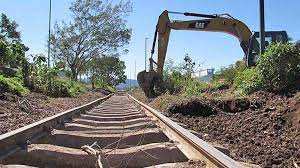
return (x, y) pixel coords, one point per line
(177, 83)
(195, 87)
(70, 88)
(12, 85)
(173, 83)
(228, 74)
(225, 74)
(218, 85)
(279, 66)
(247, 81)
(105, 85)
(65, 88)
(46, 80)
(111, 88)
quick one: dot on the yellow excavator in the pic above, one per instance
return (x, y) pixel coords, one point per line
(150, 81)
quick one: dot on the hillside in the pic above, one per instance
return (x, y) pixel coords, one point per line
(129, 83)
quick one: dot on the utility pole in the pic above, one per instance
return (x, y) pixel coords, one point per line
(134, 69)
(262, 25)
(50, 8)
(129, 79)
(146, 53)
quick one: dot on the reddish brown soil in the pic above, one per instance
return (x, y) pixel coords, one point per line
(263, 130)
(16, 112)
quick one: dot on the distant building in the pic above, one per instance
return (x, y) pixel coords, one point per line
(205, 75)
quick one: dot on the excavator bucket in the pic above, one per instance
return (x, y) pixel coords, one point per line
(148, 81)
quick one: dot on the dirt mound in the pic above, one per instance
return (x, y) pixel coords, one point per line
(234, 105)
(194, 107)
(262, 129)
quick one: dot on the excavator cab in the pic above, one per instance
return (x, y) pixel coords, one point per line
(252, 55)
(150, 81)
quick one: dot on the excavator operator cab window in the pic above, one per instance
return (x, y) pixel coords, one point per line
(255, 56)
(279, 38)
(271, 36)
(254, 48)
(268, 41)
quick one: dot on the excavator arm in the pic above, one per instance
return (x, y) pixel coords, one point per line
(149, 81)
(213, 23)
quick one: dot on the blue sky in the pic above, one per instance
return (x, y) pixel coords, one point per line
(215, 49)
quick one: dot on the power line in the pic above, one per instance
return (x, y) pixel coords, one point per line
(134, 69)
(50, 8)
(129, 78)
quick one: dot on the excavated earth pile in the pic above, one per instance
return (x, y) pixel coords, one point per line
(263, 129)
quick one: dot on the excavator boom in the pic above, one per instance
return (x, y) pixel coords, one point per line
(149, 81)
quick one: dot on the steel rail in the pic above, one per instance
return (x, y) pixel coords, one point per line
(15, 140)
(192, 146)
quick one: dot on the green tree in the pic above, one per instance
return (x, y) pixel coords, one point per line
(12, 51)
(169, 66)
(107, 70)
(188, 66)
(8, 30)
(96, 28)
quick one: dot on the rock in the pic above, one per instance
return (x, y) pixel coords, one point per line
(268, 109)
(205, 135)
(277, 126)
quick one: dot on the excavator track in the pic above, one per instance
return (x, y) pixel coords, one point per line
(115, 131)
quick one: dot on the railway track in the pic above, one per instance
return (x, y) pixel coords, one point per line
(115, 131)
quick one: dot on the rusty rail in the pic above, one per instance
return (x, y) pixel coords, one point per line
(15, 140)
(192, 146)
